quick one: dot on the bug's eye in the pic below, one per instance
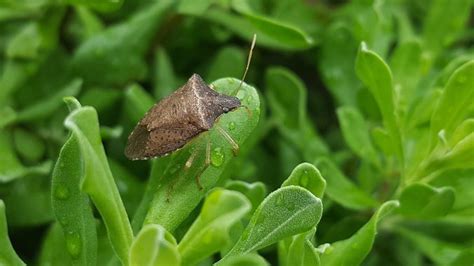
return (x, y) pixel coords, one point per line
(225, 109)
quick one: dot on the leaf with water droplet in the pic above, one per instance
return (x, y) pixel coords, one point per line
(97, 180)
(217, 157)
(210, 231)
(71, 206)
(353, 250)
(308, 176)
(280, 222)
(178, 193)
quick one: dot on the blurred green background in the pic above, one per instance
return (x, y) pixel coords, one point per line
(121, 56)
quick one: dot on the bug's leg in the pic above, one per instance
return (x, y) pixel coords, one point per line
(207, 162)
(229, 139)
(249, 112)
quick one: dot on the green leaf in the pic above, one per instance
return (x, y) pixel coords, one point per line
(246, 260)
(255, 192)
(356, 133)
(440, 252)
(271, 33)
(31, 196)
(154, 246)
(101, 5)
(376, 75)
(98, 181)
(285, 212)
(341, 189)
(158, 168)
(53, 248)
(210, 231)
(191, 7)
(298, 250)
(72, 207)
(137, 102)
(8, 255)
(178, 193)
(424, 201)
(406, 65)
(307, 176)
(336, 63)
(443, 23)
(44, 108)
(116, 55)
(353, 250)
(228, 62)
(287, 99)
(455, 101)
(7, 116)
(29, 146)
(278, 30)
(165, 80)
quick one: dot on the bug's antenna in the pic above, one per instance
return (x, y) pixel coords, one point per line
(249, 59)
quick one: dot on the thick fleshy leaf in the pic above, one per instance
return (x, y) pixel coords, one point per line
(116, 55)
(455, 101)
(210, 231)
(424, 201)
(341, 189)
(44, 108)
(154, 246)
(255, 192)
(8, 255)
(54, 249)
(72, 207)
(287, 211)
(376, 75)
(246, 260)
(453, 16)
(287, 99)
(98, 181)
(307, 176)
(178, 193)
(353, 250)
(356, 133)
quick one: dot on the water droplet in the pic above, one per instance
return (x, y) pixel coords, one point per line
(231, 80)
(231, 126)
(241, 94)
(249, 100)
(304, 179)
(73, 244)
(61, 192)
(217, 157)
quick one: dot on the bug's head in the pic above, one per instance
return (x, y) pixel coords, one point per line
(228, 103)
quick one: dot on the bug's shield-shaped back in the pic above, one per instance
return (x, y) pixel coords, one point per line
(175, 120)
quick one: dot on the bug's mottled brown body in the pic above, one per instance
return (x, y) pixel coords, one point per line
(176, 119)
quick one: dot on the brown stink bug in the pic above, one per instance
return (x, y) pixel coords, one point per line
(180, 117)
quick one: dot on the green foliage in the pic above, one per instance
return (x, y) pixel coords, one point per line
(355, 134)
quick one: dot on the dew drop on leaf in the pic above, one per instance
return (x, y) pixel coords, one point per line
(73, 244)
(231, 126)
(304, 179)
(217, 157)
(61, 192)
